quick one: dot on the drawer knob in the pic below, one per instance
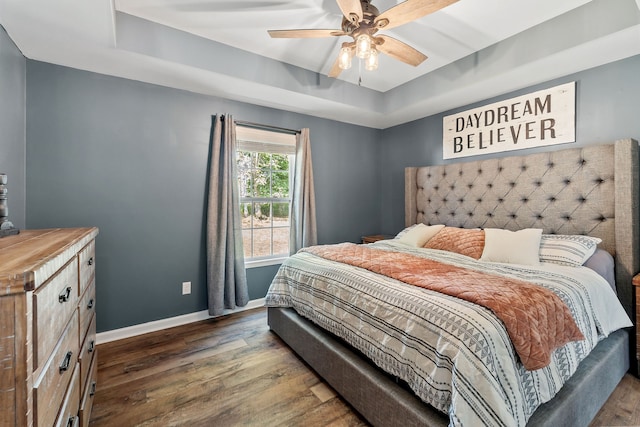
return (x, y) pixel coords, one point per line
(90, 304)
(93, 388)
(71, 421)
(92, 346)
(90, 262)
(64, 296)
(66, 362)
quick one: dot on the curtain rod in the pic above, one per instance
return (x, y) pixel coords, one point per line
(266, 127)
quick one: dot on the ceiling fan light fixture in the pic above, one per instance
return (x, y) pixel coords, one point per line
(344, 59)
(371, 63)
(363, 46)
(361, 21)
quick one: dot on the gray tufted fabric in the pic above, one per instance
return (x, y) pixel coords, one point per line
(591, 190)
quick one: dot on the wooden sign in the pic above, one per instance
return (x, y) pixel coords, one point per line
(538, 119)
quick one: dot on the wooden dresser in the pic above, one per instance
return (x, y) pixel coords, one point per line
(47, 327)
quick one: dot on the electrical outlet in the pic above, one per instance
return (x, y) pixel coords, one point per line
(186, 288)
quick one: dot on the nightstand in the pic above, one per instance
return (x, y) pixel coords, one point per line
(375, 238)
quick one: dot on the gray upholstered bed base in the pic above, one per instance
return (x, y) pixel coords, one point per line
(593, 190)
(375, 395)
(383, 402)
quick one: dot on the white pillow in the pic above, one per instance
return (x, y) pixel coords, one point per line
(419, 234)
(573, 250)
(513, 247)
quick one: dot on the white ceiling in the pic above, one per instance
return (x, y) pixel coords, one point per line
(476, 48)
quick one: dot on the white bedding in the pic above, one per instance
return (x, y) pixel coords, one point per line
(454, 354)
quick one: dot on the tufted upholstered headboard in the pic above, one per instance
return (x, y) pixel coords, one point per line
(592, 190)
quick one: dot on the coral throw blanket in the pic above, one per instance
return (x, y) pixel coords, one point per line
(536, 319)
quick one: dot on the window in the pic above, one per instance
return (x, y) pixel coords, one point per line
(265, 175)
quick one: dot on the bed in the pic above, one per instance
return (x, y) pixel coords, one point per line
(578, 191)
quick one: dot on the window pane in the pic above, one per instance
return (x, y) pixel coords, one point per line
(262, 242)
(244, 159)
(245, 181)
(246, 243)
(280, 162)
(246, 212)
(254, 160)
(281, 214)
(264, 161)
(281, 241)
(244, 173)
(280, 182)
(262, 215)
(262, 186)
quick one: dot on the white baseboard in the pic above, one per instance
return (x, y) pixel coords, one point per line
(157, 325)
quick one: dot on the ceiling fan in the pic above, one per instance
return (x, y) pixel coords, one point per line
(362, 21)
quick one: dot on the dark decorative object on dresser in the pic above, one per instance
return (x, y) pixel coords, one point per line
(6, 227)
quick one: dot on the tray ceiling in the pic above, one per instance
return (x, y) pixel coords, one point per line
(476, 49)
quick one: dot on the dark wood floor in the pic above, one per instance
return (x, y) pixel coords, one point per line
(233, 371)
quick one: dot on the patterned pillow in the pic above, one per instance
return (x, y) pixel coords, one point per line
(458, 240)
(571, 250)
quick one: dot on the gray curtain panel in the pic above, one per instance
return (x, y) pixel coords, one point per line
(226, 275)
(303, 203)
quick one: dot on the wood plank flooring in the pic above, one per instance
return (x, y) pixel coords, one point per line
(233, 371)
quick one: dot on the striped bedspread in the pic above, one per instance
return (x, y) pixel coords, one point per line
(455, 355)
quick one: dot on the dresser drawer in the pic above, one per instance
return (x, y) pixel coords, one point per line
(87, 308)
(87, 352)
(68, 416)
(87, 258)
(54, 303)
(88, 393)
(50, 386)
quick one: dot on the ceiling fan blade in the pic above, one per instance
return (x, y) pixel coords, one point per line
(305, 34)
(399, 50)
(408, 11)
(351, 9)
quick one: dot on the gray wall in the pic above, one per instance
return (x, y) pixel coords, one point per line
(131, 158)
(12, 126)
(607, 108)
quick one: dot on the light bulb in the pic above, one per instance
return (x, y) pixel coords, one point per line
(363, 46)
(344, 59)
(371, 63)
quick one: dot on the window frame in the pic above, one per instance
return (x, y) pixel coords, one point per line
(255, 140)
